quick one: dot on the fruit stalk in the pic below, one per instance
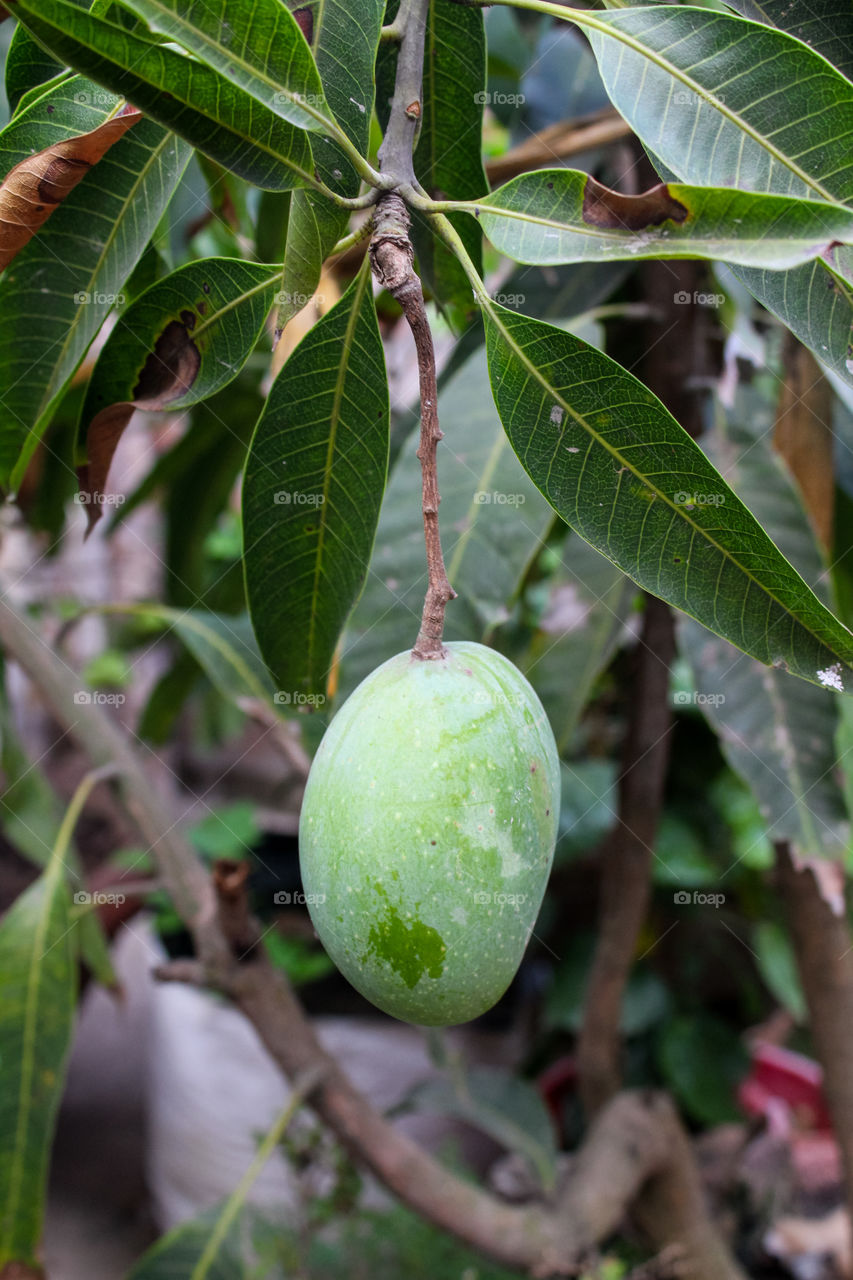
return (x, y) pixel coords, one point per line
(391, 257)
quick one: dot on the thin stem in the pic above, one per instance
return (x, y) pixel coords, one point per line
(398, 145)
(391, 258)
(354, 238)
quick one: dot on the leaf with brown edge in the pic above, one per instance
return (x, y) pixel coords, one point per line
(181, 341)
(33, 189)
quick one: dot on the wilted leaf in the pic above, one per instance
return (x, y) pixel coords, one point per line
(180, 342)
(34, 188)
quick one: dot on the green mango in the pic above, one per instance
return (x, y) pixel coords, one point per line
(427, 832)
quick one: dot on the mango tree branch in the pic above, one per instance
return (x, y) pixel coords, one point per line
(636, 1141)
(391, 257)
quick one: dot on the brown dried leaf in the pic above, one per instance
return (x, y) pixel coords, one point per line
(36, 186)
(168, 373)
(614, 211)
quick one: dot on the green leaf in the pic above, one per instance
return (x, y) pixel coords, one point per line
(501, 1105)
(492, 520)
(344, 38)
(312, 491)
(224, 646)
(27, 66)
(824, 25)
(259, 48)
(620, 470)
(814, 305)
(777, 734)
(214, 1245)
(211, 112)
(37, 994)
(726, 102)
(448, 162)
(778, 967)
(83, 254)
(703, 1061)
(562, 215)
(180, 342)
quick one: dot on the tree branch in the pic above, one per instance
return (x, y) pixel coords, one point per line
(391, 256)
(822, 944)
(635, 1141)
(627, 857)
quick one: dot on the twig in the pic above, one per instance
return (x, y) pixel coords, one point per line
(391, 256)
(626, 859)
(558, 142)
(822, 945)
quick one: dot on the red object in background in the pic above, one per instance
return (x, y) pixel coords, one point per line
(786, 1088)
(555, 1083)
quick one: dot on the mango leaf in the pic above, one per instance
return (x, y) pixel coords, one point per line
(824, 25)
(589, 603)
(181, 341)
(726, 102)
(506, 1108)
(37, 995)
(27, 65)
(620, 470)
(35, 187)
(259, 48)
(83, 254)
(203, 106)
(448, 161)
(492, 521)
(312, 491)
(562, 215)
(777, 734)
(777, 965)
(213, 1246)
(703, 1060)
(344, 39)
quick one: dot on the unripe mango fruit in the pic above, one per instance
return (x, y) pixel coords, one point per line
(427, 832)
